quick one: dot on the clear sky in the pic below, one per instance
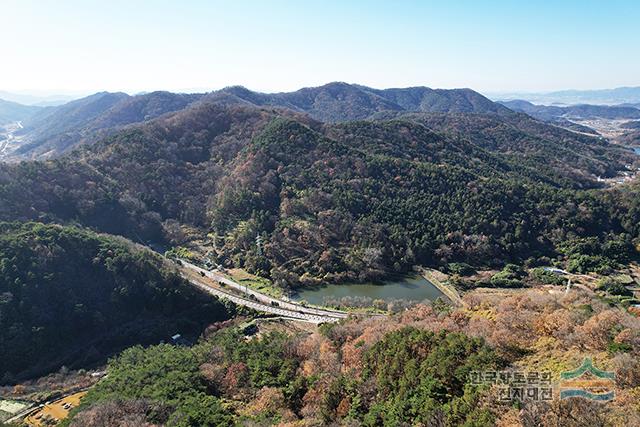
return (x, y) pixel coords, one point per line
(271, 45)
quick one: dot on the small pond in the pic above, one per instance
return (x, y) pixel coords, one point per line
(410, 288)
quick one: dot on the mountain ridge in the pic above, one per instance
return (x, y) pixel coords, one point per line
(382, 194)
(336, 101)
(53, 131)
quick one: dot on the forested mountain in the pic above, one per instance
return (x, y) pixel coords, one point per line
(69, 296)
(331, 102)
(342, 201)
(407, 375)
(424, 99)
(632, 136)
(339, 102)
(14, 112)
(75, 114)
(54, 130)
(544, 145)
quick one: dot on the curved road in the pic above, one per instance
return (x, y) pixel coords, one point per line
(265, 299)
(292, 314)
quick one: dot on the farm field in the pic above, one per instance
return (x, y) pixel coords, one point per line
(9, 408)
(53, 413)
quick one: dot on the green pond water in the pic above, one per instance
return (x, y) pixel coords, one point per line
(411, 288)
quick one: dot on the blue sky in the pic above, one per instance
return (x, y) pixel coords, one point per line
(491, 46)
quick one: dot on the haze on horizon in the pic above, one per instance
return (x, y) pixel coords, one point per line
(74, 47)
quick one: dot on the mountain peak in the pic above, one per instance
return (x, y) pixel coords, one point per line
(340, 101)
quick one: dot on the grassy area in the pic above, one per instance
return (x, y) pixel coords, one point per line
(256, 283)
(181, 252)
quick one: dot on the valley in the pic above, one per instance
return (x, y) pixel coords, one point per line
(309, 241)
(8, 139)
(320, 214)
(222, 287)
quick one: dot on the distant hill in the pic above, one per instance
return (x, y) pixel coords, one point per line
(13, 112)
(75, 114)
(615, 96)
(54, 130)
(424, 99)
(36, 100)
(568, 116)
(339, 102)
(582, 111)
(632, 136)
(331, 102)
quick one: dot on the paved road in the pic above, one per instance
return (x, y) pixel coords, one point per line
(257, 305)
(265, 299)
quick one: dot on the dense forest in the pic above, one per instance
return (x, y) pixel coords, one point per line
(414, 368)
(409, 368)
(350, 201)
(71, 297)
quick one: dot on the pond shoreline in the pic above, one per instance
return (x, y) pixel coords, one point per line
(412, 287)
(449, 291)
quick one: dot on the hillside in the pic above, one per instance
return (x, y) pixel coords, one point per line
(55, 130)
(424, 99)
(635, 125)
(14, 112)
(539, 145)
(349, 201)
(413, 368)
(339, 102)
(71, 297)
